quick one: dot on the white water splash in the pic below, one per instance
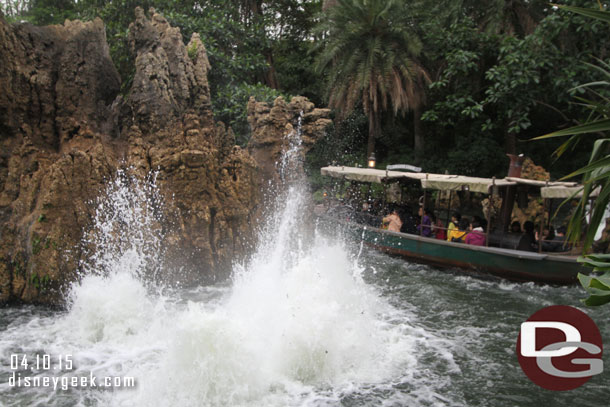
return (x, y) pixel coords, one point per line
(126, 235)
(297, 319)
(297, 326)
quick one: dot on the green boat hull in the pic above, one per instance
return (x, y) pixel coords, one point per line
(510, 264)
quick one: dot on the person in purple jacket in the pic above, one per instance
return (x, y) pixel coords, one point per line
(425, 229)
(476, 236)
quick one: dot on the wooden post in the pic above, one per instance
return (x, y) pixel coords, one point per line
(449, 207)
(491, 202)
(384, 201)
(423, 213)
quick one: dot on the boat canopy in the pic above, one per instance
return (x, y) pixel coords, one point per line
(555, 189)
(448, 182)
(443, 182)
(369, 174)
(565, 192)
(540, 184)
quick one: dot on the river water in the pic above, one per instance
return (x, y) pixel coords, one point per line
(309, 320)
(329, 331)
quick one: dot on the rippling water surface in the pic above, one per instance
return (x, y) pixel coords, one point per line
(310, 320)
(327, 332)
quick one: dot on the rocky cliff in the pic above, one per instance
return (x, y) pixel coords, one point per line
(65, 130)
(272, 126)
(57, 85)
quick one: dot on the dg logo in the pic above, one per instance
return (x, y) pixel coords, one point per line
(560, 348)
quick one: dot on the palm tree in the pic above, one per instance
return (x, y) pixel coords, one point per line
(369, 55)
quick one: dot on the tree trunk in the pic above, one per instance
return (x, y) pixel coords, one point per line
(269, 78)
(511, 143)
(271, 75)
(373, 132)
(418, 135)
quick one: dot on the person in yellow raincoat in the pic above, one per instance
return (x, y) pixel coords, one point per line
(459, 235)
(453, 225)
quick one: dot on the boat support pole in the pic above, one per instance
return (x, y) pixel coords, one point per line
(385, 197)
(449, 207)
(423, 213)
(540, 229)
(489, 209)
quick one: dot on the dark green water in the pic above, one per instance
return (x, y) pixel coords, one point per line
(477, 322)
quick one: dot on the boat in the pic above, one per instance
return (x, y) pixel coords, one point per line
(498, 257)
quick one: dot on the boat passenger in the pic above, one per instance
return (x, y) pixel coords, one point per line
(453, 225)
(515, 227)
(482, 222)
(409, 223)
(425, 228)
(548, 233)
(548, 236)
(476, 236)
(528, 239)
(392, 221)
(438, 231)
(559, 243)
(459, 235)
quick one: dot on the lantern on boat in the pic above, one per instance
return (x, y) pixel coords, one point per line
(372, 160)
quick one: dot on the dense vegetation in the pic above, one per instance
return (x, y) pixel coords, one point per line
(451, 85)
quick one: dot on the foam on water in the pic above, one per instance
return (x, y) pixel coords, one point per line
(297, 319)
(297, 326)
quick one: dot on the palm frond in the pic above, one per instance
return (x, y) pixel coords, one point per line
(370, 45)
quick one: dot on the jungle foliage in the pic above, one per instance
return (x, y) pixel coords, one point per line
(500, 73)
(255, 47)
(452, 85)
(596, 174)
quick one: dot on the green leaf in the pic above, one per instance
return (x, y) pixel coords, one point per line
(592, 127)
(599, 282)
(601, 163)
(598, 292)
(599, 257)
(595, 301)
(598, 288)
(597, 14)
(599, 265)
(565, 146)
(584, 279)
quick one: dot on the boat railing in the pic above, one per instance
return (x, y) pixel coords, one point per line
(496, 239)
(514, 239)
(493, 239)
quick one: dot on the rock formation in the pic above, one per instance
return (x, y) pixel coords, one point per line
(272, 125)
(56, 87)
(65, 130)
